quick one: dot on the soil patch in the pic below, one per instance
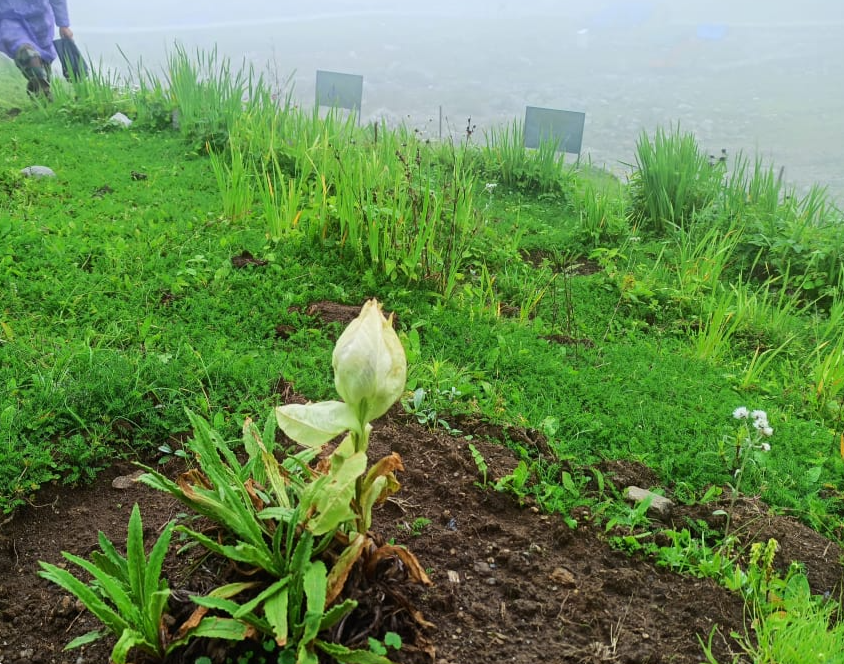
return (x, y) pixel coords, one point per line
(510, 584)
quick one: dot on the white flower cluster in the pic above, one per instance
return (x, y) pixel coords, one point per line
(760, 423)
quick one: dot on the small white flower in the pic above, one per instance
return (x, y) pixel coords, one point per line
(765, 447)
(767, 432)
(741, 413)
(490, 187)
(759, 416)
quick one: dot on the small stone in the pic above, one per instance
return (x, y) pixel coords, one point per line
(38, 172)
(120, 120)
(65, 606)
(562, 576)
(660, 505)
(482, 567)
(490, 581)
(453, 576)
(126, 481)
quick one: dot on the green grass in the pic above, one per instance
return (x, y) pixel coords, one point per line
(121, 307)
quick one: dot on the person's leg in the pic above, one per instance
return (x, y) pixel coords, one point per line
(35, 70)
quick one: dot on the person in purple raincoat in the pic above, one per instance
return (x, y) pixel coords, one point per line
(27, 29)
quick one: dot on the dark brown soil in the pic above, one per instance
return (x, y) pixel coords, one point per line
(510, 584)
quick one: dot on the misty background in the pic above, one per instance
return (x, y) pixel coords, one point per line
(762, 78)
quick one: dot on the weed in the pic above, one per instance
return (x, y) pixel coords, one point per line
(480, 462)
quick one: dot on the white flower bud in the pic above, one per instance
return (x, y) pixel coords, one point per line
(741, 413)
(370, 367)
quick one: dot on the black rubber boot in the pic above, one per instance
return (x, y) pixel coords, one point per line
(36, 72)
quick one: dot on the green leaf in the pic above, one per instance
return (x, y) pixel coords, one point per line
(334, 501)
(315, 584)
(348, 656)
(213, 627)
(275, 610)
(336, 613)
(106, 615)
(85, 639)
(228, 503)
(114, 590)
(256, 601)
(305, 655)
(153, 582)
(136, 556)
(241, 552)
(129, 639)
(116, 565)
(813, 474)
(370, 495)
(281, 514)
(314, 424)
(230, 607)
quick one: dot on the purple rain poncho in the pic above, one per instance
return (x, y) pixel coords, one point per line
(31, 22)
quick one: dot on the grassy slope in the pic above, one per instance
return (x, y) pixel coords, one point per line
(12, 84)
(121, 308)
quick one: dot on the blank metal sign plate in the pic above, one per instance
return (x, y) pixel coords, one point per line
(548, 124)
(339, 90)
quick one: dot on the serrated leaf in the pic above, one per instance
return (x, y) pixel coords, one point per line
(86, 595)
(275, 610)
(136, 556)
(114, 590)
(154, 583)
(116, 565)
(241, 552)
(314, 584)
(336, 613)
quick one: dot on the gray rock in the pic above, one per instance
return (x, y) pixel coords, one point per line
(38, 172)
(660, 506)
(126, 481)
(120, 120)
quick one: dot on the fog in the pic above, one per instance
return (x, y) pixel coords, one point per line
(744, 75)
